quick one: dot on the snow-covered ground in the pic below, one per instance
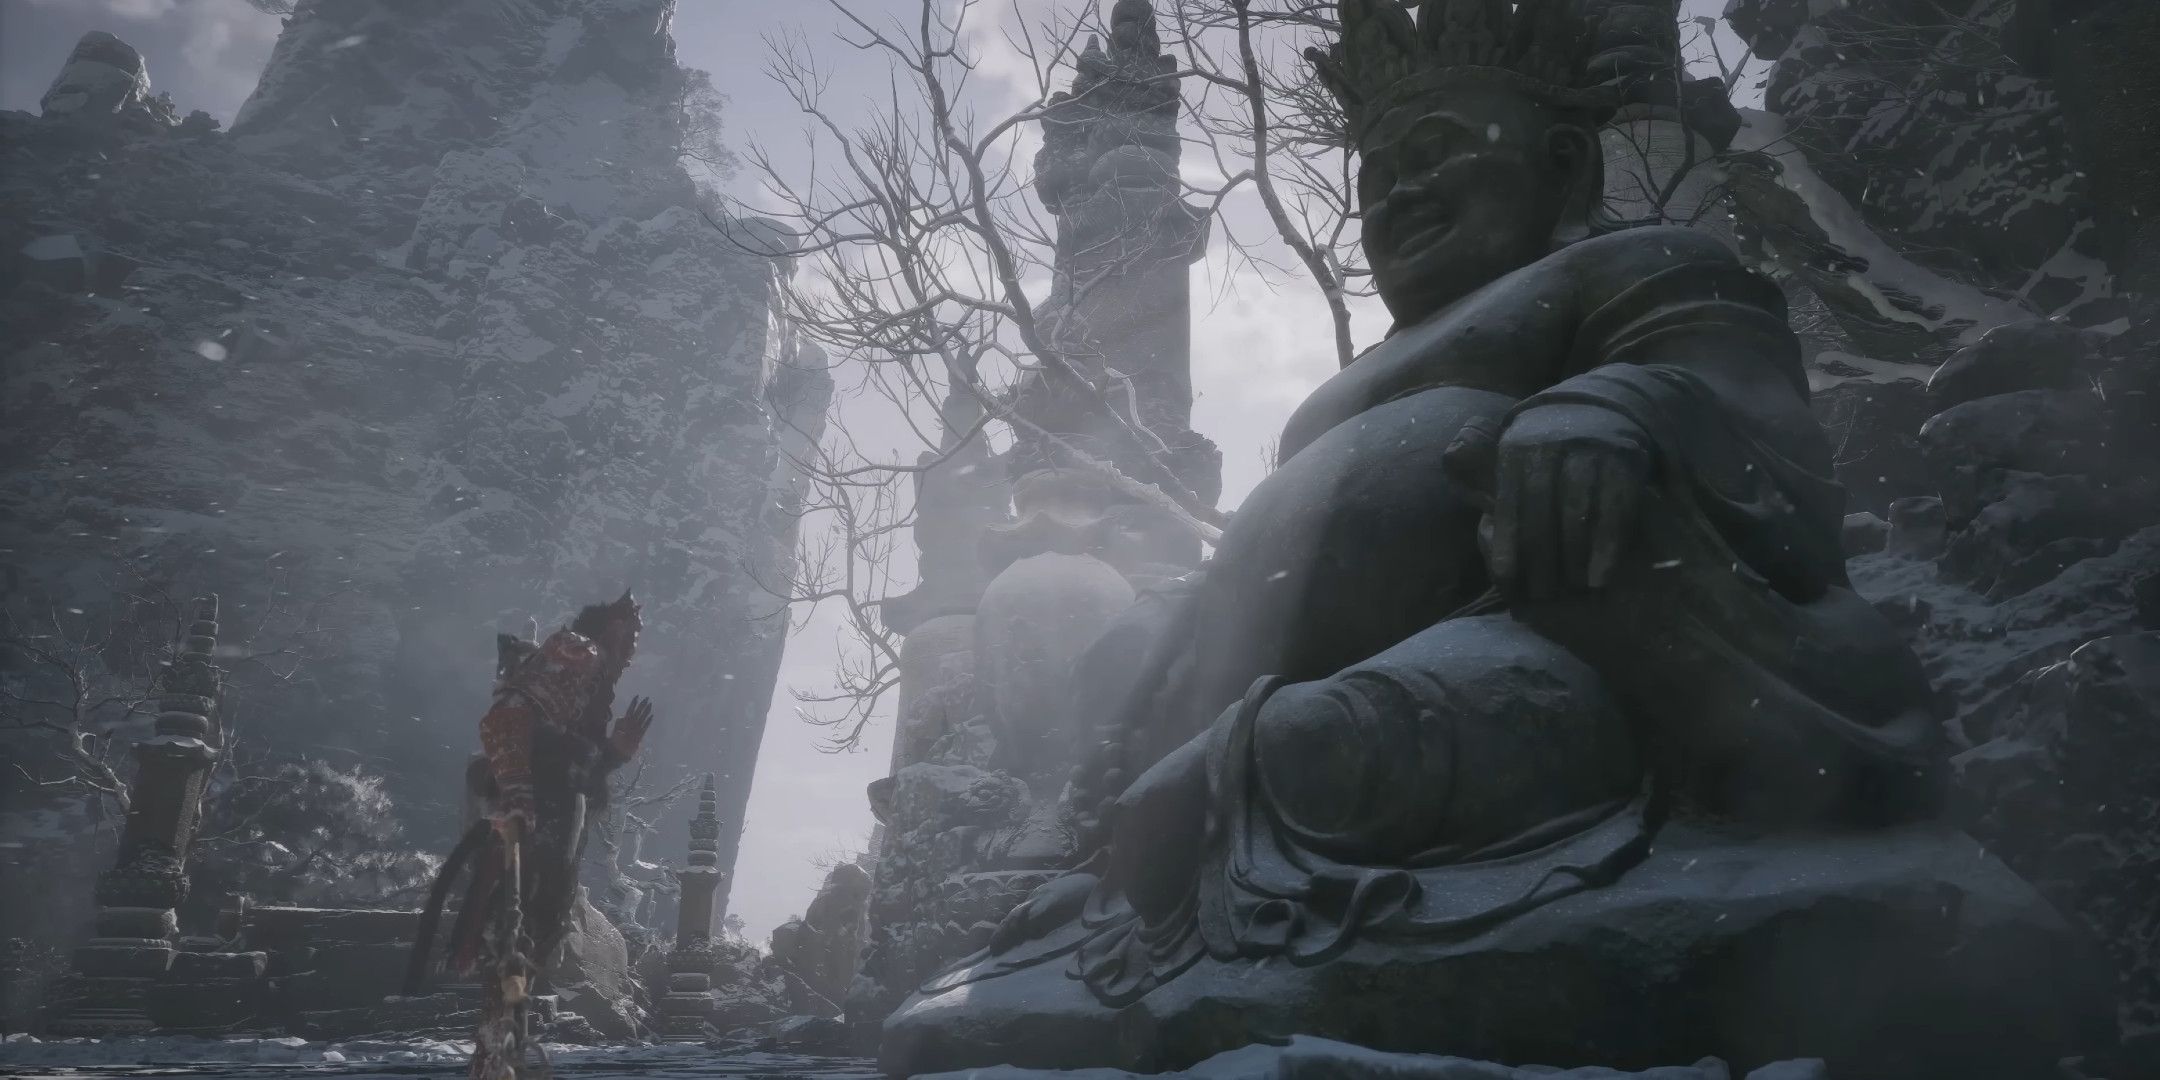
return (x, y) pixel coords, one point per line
(383, 1059)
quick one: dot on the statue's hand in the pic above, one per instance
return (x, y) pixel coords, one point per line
(630, 729)
(1568, 479)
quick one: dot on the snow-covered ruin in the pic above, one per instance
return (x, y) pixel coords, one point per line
(442, 335)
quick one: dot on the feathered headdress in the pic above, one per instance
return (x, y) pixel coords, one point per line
(1385, 60)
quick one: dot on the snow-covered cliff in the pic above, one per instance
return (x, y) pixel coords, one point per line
(437, 338)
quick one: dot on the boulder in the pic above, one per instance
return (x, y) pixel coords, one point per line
(591, 974)
(2029, 512)
(2067, 789)
(818, 951)
(1916, 527)
(2042, 431)
(2036, 355)
(56, 261)
(104, 78)
(1907, 952)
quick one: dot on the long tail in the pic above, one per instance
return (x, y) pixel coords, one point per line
(424, 939)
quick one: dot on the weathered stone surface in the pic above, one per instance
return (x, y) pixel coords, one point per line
(219, 965)
(807, 1034)
(1917, 526)
(2035, 355)
(2068, 788)
(348, 975)
(818, 951)
(104, 80)
(1035, 620)
(2029, 625)
(1865, 533)
(1971, 178)
(2039, 431)
(1909, 953)
(1308, 1058)
(591, 975)
(457, 358)
(277, 928)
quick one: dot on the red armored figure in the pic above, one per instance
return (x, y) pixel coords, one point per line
(548, 748)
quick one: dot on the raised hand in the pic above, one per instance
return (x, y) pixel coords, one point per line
(631, 727)
(1568, 482)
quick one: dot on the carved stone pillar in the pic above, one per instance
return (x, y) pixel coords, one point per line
(984, 742)
(1661, 148)
(138, 899)
(687, 1009)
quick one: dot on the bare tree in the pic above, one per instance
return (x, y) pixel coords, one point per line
(632, 816)
(80, 684)
(929, 280)
(1263, 116)
(79, 690)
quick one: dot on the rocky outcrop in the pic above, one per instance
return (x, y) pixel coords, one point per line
(2029, 591)
(1958, 161)
(105, 81)
(591, 975)
(818, 950)
(437, 339)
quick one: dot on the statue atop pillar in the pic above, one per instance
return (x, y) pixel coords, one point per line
(1525, 712)
(1120, 310)
(1026, 561)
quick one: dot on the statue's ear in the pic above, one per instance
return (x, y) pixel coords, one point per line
(1578, 160)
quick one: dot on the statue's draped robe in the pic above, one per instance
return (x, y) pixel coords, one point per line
(1398, 754)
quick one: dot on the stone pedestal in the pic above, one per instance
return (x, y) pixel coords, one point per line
(1905, 952)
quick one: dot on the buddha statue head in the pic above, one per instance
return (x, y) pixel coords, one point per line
(1477, 144)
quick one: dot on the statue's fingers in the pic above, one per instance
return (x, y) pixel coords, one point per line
(1619, 495)
(1539, 530)
(1578, 524)
(1470, 461)
(1501, 556)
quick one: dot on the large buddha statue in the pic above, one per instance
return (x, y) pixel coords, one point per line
(1525, 710)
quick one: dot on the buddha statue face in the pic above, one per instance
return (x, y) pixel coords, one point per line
(1457, 190)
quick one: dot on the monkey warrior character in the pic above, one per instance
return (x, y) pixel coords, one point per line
(547, 754)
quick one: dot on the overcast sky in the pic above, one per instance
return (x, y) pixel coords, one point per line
(1257, 349)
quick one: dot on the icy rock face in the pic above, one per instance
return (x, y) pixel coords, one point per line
(591, 974)
(2034, 604)
(436, 339)
(1959, 162)
(818, 950)
(932, 903)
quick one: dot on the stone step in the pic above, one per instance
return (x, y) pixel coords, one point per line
(283, 928)
(90, 1023)
(218, 965)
